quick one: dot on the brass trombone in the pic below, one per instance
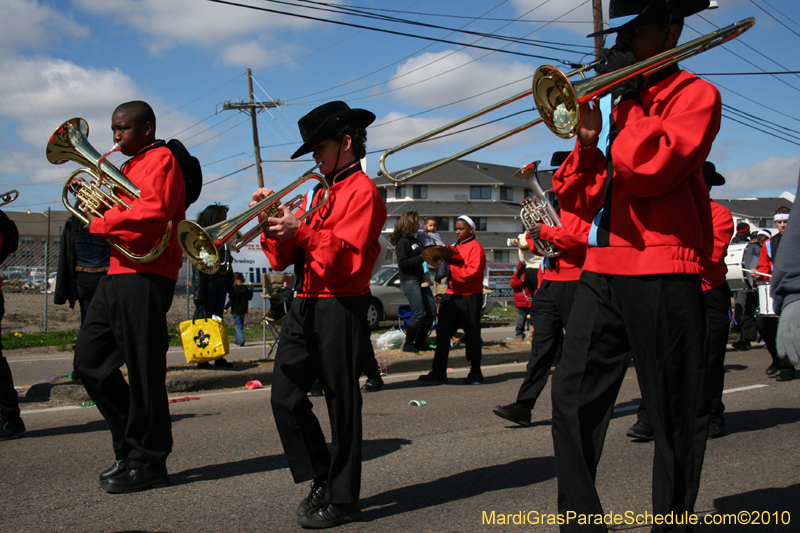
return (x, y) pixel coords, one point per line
(202, 245)
(558, 101)
(8, 197)
(69, 143)
(409, 175)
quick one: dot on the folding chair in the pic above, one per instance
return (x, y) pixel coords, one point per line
(277, 288)
(404, 314)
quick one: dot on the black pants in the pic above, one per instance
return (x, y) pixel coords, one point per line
(745, 305)
(9, 399)
(322, 338)
(458, 310)
(659, 320)
(550, 310)
(126, 324)
(718, 304)
(768, 327)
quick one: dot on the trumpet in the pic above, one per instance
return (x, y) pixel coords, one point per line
(202, 245)
(537, 210)
(558, 100)
(8, 197)
(69, 143)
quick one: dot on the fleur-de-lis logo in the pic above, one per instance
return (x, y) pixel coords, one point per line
(202, 339)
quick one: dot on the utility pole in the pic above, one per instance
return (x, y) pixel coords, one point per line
(597, 12)
(253, 108)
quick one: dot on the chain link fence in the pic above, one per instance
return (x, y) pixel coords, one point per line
(29, 280)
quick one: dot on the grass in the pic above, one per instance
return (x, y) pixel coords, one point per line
(64, 340)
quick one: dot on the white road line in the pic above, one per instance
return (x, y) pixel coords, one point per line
(751, 387)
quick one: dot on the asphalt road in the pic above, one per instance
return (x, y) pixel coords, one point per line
(432, 468)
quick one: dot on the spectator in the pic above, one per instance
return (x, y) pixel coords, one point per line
(83, 261)
(238, 297)
(210, 289)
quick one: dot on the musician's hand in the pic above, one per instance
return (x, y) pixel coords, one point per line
(283, 227)
(535, 232)
(259, 195)
(591, 122)
(89, 216)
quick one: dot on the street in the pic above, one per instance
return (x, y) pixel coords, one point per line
(445, 466)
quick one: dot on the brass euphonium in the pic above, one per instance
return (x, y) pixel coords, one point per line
(8, 197)
(537, 210)
(69, 143)
(202, 245)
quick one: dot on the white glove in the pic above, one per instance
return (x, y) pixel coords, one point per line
(789, 332)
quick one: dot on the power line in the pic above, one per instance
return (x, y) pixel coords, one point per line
(779, 21)
(380, 30)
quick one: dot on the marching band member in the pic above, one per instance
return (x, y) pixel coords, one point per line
(639, 293)
(325, 335)
(126, 323)
(785, 289)
(717, 296)
(552, 302)
(11, 424)
(461, 306)
(781, 368)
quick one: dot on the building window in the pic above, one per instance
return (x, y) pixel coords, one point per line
(26, 254)
(765, 223)
(400, 192)
(501, 256)
(480, 192)
(420, 192)
(382, 190)
(26, 240)
(442, 223)
(528, 193)
(507, 194)
(480, 223)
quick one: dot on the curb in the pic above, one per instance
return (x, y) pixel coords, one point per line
(204, 380)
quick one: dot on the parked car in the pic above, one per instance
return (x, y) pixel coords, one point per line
(387, 296)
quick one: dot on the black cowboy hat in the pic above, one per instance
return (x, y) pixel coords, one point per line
(711, 175)
(635, 13)
(326, 121)
(558, 159)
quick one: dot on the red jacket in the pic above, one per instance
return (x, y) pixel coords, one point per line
(521, 296)
(658, 218)
(340, 239)
(162, 194)
(714, 268)
(571, 237)
(766, 259)
(466, 274)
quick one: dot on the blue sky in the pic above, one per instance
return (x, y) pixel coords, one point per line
(67, 58)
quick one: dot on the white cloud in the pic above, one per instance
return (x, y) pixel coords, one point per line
(26, 23)
(433, 79)
(194, 22)
(771, 176)
(558, 11)
(255, 54)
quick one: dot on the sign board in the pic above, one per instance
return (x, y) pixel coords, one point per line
(498, 280)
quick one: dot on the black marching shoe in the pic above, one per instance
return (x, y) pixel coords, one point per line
(786, 374)
(772, 370)
(410, 348)
(716, 429)
(372, 385)
(11, 430)
(119, 466)
(315, 498)
(741, 345)
(136, 479)
(515, 412)
(434, 378)
(330, 515)
(222, 363)
(475, 377)
(641, 430)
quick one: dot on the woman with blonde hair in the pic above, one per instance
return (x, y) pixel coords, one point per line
(409, 261)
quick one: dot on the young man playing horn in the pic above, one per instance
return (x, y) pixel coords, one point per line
(639, 293)
(325, 335)
(126, 323)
